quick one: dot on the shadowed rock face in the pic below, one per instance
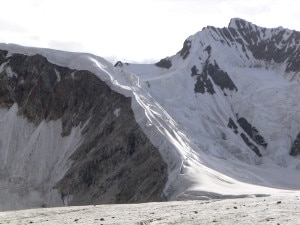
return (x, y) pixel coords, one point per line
(295, 150)
(203, 84)
(266, 44)
(115, 163)
(232, 126)
(252, 132)
(219, 77)
(164, 63)
(185, 51)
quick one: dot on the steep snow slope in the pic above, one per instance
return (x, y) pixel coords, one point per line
(231, 107)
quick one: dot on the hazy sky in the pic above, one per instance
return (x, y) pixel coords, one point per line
(131, 30)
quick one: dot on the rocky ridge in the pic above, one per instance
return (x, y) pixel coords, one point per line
(115, 162)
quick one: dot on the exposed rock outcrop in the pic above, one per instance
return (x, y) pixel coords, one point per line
(185, 51)
(164, 63)
(252, 132)
(295, 150)
(271, 45)
(115, 162)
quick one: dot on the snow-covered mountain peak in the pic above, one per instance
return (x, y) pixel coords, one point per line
(218, 118)
(238, 23)
(242, 44)
(243, 25)
(271, 45)
(226, 90)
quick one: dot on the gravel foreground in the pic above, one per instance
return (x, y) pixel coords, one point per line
(283, 209)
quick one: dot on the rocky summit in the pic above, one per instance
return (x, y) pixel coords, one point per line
(219, 119)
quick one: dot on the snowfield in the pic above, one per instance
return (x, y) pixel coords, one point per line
(278, 209)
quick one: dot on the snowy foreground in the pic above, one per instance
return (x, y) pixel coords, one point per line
(277, 209)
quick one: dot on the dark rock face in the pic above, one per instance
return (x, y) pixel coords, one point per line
(219, 77)
(185, 51)
(120, 64)
(252, 132)
(295, 150)
(208, 49)
(164, 63)
(250, 145)
(277, 45)
(232, 126)
(203, 83)
(115, 163)
(266, 44)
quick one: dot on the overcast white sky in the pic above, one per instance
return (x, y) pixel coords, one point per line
(131, 30)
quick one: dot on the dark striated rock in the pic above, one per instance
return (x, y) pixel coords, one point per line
(250, 145)
(232, 125)
(185, 51)
(267, 44)
(195, 71)
(220, 77)
(3, 55)
(295, 150)
(208, 49)
(252, 132)
(203, 83)
(115, 163)
(118, 64)
(164, 63)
